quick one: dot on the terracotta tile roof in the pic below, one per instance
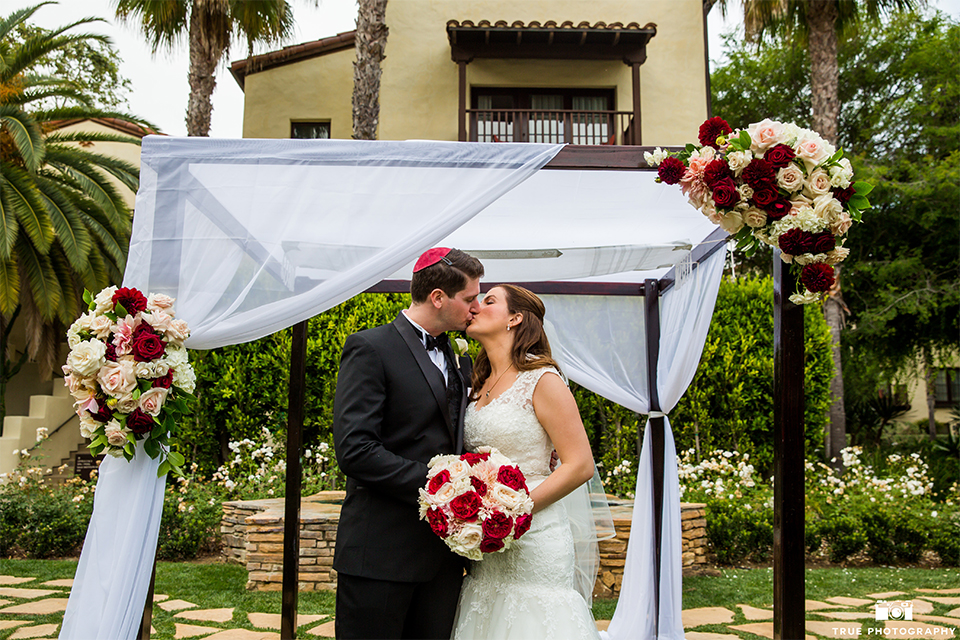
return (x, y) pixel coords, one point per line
(122, 126)
(294, 53)
(550, 24)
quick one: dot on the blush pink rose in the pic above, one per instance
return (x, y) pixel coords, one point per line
(812, 151)
(765, 134)
(152, 401)
(117, 378)
(116, 435)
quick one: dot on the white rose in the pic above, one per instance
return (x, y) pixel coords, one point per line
(87, 357)
(470, 536)
(101, 326)
(158, 319)
(104, 300)
(117, 378)
(841, 224)
(746, 192)
(176, 355)
(152, 401)
(654, 159)
(507, 497)
(837, 256)
(116, 435)
(177, 331)
(790, 178)
(126, 403)
(804, 298)
(765, 134)
(738, 160)
(160, 302)
(88, 426)
(731, 222)
(818, 184)
(827, 208)
(840, 176)
(754, 217)
(457, 468)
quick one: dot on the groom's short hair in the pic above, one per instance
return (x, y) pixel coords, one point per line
(449, 275)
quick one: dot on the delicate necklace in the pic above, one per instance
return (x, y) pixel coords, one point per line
(487, 394)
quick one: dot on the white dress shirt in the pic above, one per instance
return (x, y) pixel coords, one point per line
(436, 355)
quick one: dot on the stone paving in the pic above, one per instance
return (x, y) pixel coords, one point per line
(23, 600)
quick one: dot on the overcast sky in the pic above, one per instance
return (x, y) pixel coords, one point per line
(160, 81)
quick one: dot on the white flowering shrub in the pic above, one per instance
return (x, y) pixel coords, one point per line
(192, 512)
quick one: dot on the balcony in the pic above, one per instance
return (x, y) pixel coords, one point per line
(551, 127)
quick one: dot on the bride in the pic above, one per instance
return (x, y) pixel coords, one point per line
(522, 406)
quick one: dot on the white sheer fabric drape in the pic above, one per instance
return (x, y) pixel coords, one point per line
(113, 576)
(684, 320)
(252, 236)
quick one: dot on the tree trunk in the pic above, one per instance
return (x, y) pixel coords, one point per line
(930, 376)
(824, 73)
(371, 43)
(203, 65)
(836, 438)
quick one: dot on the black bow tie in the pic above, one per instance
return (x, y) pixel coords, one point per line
(434, 343)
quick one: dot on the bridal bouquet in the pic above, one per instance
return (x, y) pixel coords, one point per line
(477, 502)
(773, 183)
(129, 374)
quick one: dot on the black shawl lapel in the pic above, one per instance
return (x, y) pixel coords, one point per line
(430, 371)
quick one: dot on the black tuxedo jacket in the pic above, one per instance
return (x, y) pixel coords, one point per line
(390, 417)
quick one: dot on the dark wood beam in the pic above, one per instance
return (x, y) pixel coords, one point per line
(651, 319)
(788, 459)
(541, 288)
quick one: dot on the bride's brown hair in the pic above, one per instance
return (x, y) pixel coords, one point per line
(531, 349)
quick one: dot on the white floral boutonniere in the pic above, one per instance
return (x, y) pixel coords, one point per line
(460, 348)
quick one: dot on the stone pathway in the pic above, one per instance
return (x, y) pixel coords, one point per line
(30, 609)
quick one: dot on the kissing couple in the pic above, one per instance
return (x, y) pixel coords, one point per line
(404, 396)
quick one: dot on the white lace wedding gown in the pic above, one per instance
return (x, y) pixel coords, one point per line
(526, 592)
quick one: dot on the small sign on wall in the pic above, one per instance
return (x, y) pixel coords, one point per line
(85, 464)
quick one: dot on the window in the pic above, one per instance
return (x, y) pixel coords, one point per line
(947, 387)
(310, 130)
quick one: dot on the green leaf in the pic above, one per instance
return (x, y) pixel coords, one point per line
(745, 140)
(164, 469)
(862, 188)
(88, 298)
(120, 311)
(175, 458)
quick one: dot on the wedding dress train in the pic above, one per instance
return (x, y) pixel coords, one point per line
(528, 590)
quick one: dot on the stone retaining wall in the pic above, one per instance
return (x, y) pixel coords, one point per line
(252, 533)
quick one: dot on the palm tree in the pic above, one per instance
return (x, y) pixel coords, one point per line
(371, 43)
(209, 26)
(64, 225)
(819, 24)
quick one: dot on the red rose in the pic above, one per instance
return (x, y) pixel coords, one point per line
(713, 129)
(795, 242)
(764, 196)
(164, 381)
(844, 195)
(523, 525)
(498, 525)
(104, 413)
(438, 481)
(823, 242)
(475, 458)
(716, 172)
(671, 170)
(140, 423)
(817, 277)
(778, 208)
(759, 173)
(466, 506)
(131, 300)
(779, 156)
(489, 545)
(111, 353)
(146, 347)
(479, 486)
(438, 522)
(512, 477)
(725, 194)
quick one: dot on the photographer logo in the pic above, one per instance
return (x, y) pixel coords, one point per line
(894, 610)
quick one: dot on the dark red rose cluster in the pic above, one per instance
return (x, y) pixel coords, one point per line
(438, 481)
(713, 129)
(130, 299)
(146, 345)
(817, 277)
(512, 477)
(466, 507)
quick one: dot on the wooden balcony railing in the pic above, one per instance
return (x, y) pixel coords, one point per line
(551, 127)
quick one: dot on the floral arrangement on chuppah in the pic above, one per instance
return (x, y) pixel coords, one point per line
(130, 374)
(774, 183)
(477, 503)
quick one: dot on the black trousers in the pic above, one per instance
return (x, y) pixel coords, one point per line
(369, 609)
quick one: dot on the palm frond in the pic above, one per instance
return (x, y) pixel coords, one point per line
(69, 308)
(72, 236)
(9, 227)
(25, 200)
(58, 137)
(110, 244)
(127, 173)
(9, 286)
(64, 92)
(73, 164)
(25, 132)
(33, 49)
(18, 17)
(37, 271)
(164, 23)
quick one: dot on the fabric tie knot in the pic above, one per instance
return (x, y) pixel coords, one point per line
(434, 343)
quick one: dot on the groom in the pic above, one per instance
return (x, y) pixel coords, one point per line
(401, 395)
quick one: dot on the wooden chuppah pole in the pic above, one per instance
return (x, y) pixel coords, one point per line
(788, 459)
(291, 511)
(651, 323)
